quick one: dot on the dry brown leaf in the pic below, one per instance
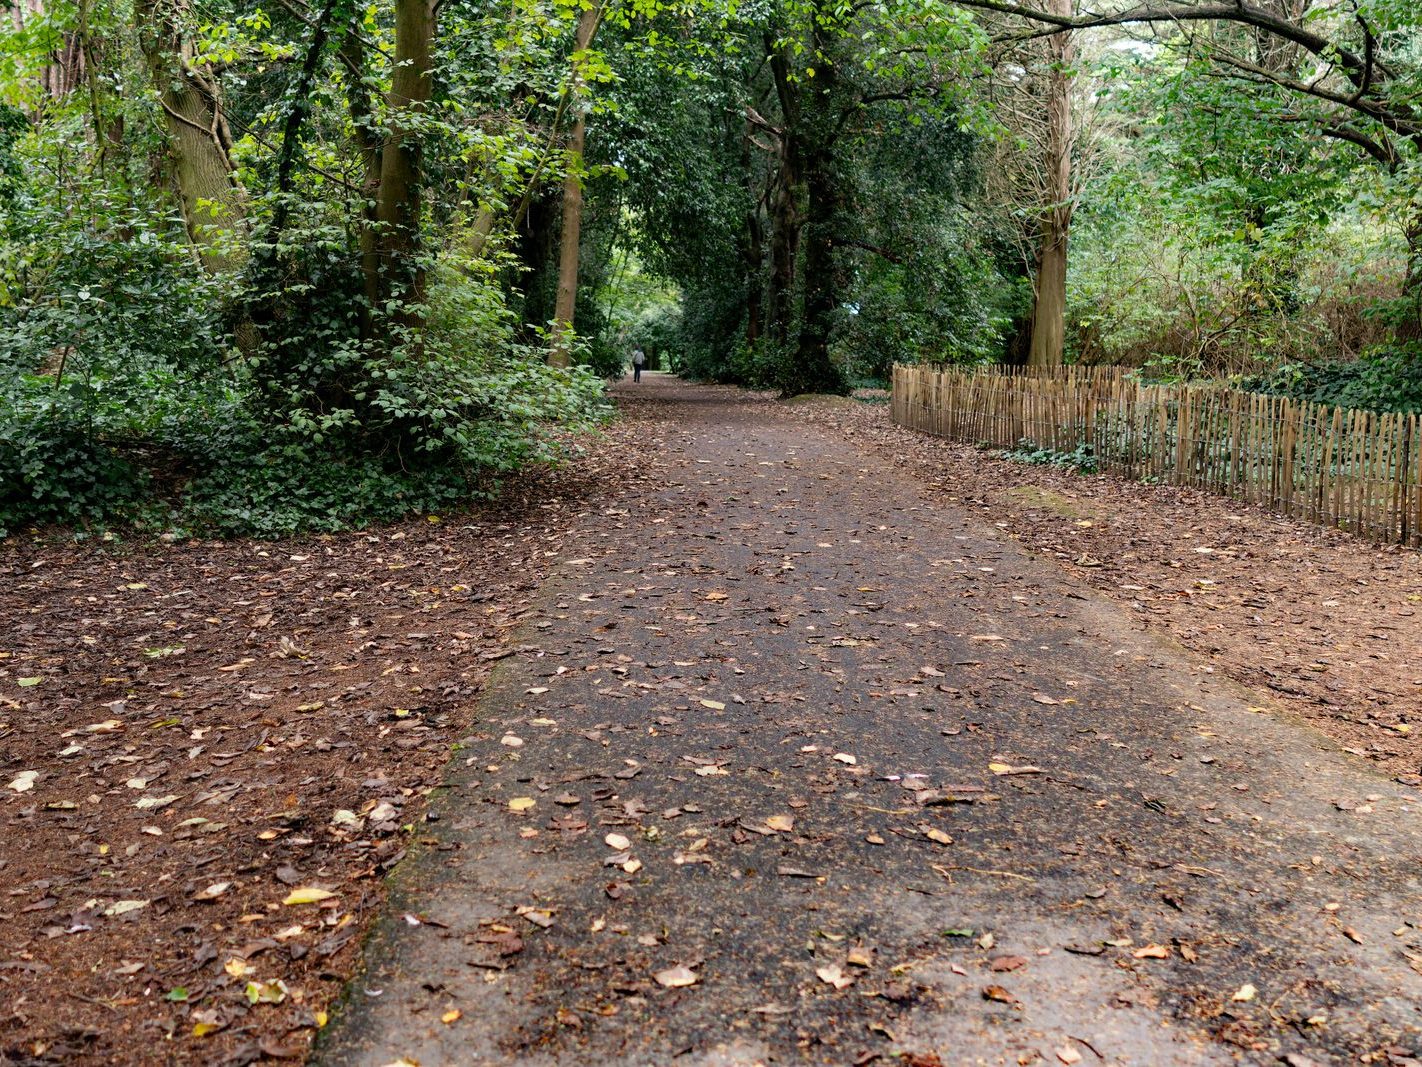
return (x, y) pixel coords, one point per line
(1007, 768)
(677, 977)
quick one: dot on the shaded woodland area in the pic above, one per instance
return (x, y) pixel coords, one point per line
(295, 266)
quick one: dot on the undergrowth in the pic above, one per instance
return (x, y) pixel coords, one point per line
(1081, 459)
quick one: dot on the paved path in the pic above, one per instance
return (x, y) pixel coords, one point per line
(787, 678)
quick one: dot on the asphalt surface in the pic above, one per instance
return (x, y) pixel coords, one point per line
(789, 677)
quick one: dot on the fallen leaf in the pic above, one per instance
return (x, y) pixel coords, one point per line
(123, 907)
(782, 823)
(307, 895)
(1068, 1055)
(1244, 993)
(1007, 963)
(27, 682)
(451, 1016)
(845, 757)
(266, 992)
(1002, 996)
(213, 891)
(24, 781)
(936, 835)
(521, 804)
(714, 705)
(1152, 952)
(834, 975)
(617, 842)
(677, 977)
(1007, 768)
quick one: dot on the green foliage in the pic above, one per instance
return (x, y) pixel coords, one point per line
(138, 388)
(1387, 379)
(1081, 459)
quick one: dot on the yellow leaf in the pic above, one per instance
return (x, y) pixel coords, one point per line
(783, 823)
(1244, 993)
(451, 1016)
(520, 804)
(237, 968)
(203, 1029)
(307, 895)
(714, 705)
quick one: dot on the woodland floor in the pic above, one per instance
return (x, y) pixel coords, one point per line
(916, 751)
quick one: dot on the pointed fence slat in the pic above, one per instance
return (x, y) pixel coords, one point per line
(1357, 470)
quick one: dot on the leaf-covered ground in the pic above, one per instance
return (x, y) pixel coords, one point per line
(775, 760)
(1329, 623)
(802, 762)
(210, 753)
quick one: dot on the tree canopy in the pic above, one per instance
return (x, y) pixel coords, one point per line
(267, 267)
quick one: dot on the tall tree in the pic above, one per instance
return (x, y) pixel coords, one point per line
(397, 207)
(199, 138)
(1354, 75)
(1049, 289)
(569, 248)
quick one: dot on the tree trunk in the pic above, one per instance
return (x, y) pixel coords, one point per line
(1049, 310)
(213, 202)
(401, 275)
(569, 245)
(785, 218)
(784, 252)
(752, 245)
(367, 142)
(811, 145)
(812, 370)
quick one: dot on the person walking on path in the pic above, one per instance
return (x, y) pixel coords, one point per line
(638, 358)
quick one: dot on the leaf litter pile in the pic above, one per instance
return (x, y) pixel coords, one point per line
(1330, 623)
(211, 752)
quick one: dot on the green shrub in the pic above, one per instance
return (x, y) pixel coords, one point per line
(1081, 459)
(1389, 378)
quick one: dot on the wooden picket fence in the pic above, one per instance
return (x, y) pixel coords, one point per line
(1358, 470)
